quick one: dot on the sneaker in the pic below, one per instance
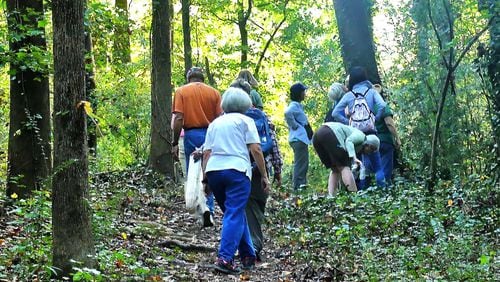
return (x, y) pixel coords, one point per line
(226, 267)
(208, 220)
(248, 263)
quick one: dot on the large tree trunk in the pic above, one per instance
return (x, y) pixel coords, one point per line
(29, 152)
(89, 89)
(121, 51)
(71, 225)
(161, 158)
(356, 36)
(186, 31)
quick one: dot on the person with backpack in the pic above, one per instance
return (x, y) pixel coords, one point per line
(256, 206)
(337, 145)
(230, 141)
(300, 134)
(365, 106)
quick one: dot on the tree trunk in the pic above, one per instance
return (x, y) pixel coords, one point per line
(29, 152)
(89, 89)
(71, 225)
(451, 62)
(161, 158)
(243, 16)
(443, 28)
(186, 31)
(122, 38)
(269, 41)
(356, 36)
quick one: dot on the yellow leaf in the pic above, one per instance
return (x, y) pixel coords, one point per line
(124, 236)
(299, 202)
(86, 106)
(13, 196)
(450, 202)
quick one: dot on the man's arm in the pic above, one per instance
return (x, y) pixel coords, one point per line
(177, 123)
(392, 129)
(290, 118)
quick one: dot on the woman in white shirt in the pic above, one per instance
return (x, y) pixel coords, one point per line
(228, 171)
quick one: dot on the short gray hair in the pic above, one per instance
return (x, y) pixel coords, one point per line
(235, 100)
(335, 92)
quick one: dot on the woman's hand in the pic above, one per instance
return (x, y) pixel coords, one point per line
(357, 161)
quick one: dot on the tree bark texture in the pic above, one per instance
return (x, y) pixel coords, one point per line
(71, 224)
(122, 37)
(356, 36)
(243, 16)
(29, 152)
(160, 158)
(186, 31)
(89, 89)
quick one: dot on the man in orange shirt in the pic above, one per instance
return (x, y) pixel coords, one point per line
(196, 105)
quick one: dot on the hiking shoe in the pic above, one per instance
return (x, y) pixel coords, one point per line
(248, 263)
(208, 220)
(226, 267)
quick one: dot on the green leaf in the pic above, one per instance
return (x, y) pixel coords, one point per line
(484, 259)
(42, 23)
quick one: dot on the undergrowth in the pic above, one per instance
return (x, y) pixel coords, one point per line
(399, 234)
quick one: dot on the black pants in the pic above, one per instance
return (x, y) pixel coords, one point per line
(255, 209)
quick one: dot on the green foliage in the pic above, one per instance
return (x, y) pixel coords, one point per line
(123, 106)
(396, 235)
(415, 82)
(29, 238)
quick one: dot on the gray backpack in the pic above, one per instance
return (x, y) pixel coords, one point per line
(361, 117)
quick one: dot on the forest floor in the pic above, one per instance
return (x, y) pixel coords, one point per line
(168, 238)
(142, 232)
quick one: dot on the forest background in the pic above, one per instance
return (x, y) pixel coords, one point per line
(437, 60)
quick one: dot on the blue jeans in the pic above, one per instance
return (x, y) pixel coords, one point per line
(372, 163)
(194, 138)
(387, 156)
(232, 190)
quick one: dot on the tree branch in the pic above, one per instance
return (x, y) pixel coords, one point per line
(471, 42)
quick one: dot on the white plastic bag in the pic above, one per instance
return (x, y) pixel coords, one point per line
(193, 190)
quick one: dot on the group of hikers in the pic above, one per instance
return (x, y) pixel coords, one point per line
(359, 125)
(239, 150)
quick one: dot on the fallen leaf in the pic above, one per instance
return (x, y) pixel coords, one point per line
(244, 277)
(119, 263)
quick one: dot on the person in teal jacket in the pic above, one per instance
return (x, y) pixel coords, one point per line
(336, 145)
